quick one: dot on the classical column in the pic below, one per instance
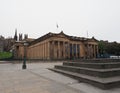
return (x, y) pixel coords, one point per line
(88, 51)
(94, 52)
(52, 50)
(79, 49)
(71, 51)
(33, 52)
(55, 50)
(36, 51)
(42, 51)
(48, 48)
(64, 54)
(76, 51)
(39, 51)
(68, 50)
(92, 48)
(59, 54)
(97, 50)
(45, 50)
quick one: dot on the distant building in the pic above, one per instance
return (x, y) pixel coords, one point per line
(20, 37)
(9, 42)
(6, 44)
(1, 43)
(15, 36)
(58, 46)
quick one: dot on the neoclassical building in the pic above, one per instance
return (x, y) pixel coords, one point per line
(57, 46)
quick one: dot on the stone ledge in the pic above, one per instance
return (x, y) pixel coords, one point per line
(103, 83)
(94, 65)
(103, 73)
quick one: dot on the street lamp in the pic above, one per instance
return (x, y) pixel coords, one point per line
(24, 61)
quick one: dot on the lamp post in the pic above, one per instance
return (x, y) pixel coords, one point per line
(24, 61)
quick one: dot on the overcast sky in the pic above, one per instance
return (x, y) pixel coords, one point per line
(100, 18)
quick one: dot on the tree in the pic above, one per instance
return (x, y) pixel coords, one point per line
(108, 48)
(113, 48)
(102, 47)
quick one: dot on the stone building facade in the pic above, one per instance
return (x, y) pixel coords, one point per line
(58, 46)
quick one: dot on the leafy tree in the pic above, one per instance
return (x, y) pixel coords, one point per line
(108, 48)
(102, 47)
(113, 48)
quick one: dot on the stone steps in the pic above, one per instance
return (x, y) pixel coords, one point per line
(103, 83)
(103, 73)
(94, 65)
(98, 60)
(99, 73)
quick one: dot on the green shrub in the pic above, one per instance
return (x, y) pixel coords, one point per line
(5, 55)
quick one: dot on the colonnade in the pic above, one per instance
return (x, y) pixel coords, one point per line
(92, 51)
(63, 50)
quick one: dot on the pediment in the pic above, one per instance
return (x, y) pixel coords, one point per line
(62, 35)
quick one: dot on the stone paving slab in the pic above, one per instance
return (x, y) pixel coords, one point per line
(32, 80)
(38, 79)
(48, 74)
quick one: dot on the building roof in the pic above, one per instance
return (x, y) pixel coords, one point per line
(73, 38)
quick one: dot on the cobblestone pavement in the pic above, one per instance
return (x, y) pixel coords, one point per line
(35, 79)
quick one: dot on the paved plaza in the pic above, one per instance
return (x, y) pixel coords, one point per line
(38, 79)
